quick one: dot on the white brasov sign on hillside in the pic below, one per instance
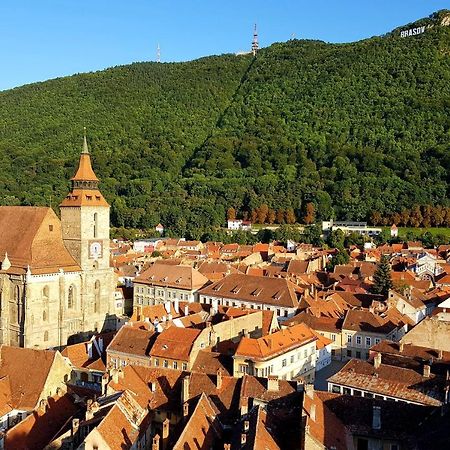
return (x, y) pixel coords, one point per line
(412, 32)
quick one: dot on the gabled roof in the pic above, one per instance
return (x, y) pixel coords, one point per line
(27, 370)
(31, 236)
(120, 428)
(38, 429)
(203, 427)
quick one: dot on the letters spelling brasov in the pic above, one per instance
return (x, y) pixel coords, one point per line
(412, 32)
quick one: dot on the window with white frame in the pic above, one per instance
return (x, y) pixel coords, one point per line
(349, 338)
(358, 340)
(368, 341)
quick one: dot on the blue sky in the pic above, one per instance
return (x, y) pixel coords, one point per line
(42, 39)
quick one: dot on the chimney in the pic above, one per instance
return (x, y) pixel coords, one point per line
(89, 411)
(186, 310)
(426, 371)
(440, 354)
(100, 344)
(219, 379)
(244, 406)
(226, 446)
(165, 433)
(75, 426)
(155, 442)
(272, 383)
(243, 438)
(377, 361)
(376, 418)
(309, 389)
(312, 413)
(185, 389)
(105, 380)
(176, 306)
(401, 347)
(153, 386)
(115, 375)
(185, 409)
(245, 333)
(246, 425)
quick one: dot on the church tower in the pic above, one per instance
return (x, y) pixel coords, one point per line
(85, 233)
(85, 218)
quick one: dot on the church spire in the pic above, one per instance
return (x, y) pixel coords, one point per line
(85, 146)
(85, 177)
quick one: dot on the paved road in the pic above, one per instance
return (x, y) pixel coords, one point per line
(321, 376)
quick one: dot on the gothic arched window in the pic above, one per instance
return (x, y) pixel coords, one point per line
(97, 296)
(71, 297)
(95, 224)
(45, 302)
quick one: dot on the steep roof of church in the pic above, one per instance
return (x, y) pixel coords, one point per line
(31, 236)
(85, 171)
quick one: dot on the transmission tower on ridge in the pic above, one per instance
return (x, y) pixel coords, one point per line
(158, 53)
(255, 44)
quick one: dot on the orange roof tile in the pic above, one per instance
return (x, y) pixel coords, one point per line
(276, 343)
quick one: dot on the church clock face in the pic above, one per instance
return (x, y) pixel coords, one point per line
(95, 249)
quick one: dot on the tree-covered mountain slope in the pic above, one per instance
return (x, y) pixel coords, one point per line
(354, 129)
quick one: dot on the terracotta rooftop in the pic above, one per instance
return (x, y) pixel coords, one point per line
(131, 340)
(27, 370)
(272, 291)
(203, 427)
(37, 430)
(177, 276)
(276, 343)
(175, 343)
(367, 321)
(396, 382)
(210, 362)
(31, 236)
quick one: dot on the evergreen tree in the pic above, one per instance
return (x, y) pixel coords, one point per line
(382, 277)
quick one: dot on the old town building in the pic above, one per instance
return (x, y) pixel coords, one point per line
(55, 281)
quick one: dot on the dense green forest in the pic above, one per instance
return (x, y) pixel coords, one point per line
(353, 131)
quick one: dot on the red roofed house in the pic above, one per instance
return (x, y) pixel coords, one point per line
(288, 354)
(161, 283)
(274, 294)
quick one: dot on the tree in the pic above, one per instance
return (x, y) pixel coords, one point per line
(280, 216)
(290, 216)
(340, 258)
(271, 216)
(262, 212)
(382, 277)
(310, 214)
(231, 213)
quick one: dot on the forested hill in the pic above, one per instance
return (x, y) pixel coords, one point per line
(352, 130)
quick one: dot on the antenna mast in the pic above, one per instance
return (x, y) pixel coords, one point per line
(255, 44)
(158, 53)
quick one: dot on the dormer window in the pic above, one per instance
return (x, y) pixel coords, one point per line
(236, 290)
(277, 296)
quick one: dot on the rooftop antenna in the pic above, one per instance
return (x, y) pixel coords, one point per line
(158, 53)
(255, 44)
